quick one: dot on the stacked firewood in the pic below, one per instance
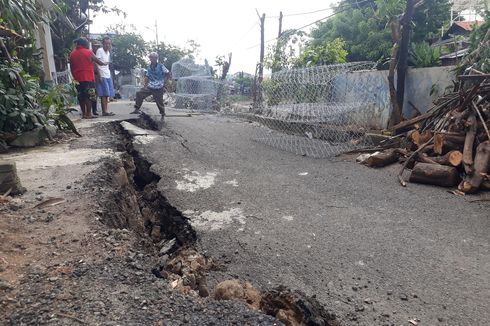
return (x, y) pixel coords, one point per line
(450, 144)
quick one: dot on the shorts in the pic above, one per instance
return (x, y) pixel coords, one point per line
(105, 88)
(86, 91)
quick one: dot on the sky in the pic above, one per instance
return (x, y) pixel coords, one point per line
(219, 26)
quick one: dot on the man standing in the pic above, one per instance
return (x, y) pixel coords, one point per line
(154, 85)
(105, 87)
(82, 68)
(95, 46)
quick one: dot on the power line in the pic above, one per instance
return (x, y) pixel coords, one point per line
(245, 34)
(347, 7)
(302, 13)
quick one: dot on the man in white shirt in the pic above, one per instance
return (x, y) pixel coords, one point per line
(105, 87)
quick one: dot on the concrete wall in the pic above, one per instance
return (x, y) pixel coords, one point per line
(370, 89)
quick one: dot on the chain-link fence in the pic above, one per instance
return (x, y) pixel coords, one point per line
(196, 90)
(319, 111)
(63, 77)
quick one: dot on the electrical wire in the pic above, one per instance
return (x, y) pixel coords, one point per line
(347, 7)
(301, 13)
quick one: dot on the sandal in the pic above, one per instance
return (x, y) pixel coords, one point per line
(105, 114)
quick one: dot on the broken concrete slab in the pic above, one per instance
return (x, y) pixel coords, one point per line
(9, 181)
(134, 130)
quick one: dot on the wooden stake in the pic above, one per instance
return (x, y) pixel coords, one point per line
(412, 157)
(468, 144)
(474, 180)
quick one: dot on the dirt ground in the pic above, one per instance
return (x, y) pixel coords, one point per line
(60, 264)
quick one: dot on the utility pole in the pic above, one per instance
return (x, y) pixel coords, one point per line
(262, 47)
(280, 25)
(156, 31)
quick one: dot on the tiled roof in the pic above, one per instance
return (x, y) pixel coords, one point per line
(467, 25)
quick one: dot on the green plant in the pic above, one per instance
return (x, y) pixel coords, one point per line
(283, 53)
(20, 15)
(328, 52)
(423, 55)
(19, 110)
(55, 103)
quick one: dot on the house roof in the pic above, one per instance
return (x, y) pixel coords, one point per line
(454, 55)
(468, 25)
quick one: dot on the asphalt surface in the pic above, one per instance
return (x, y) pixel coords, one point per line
(371, 251)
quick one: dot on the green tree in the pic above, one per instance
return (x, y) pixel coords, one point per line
(284, 52)
(328, 52)
(365, 36)
(168, 53)
(69, 23)
(479, 54)
(22, 16)
(364, 28)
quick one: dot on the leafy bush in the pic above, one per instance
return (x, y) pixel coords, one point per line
(24, 108)
(19, 110)
(56, 102)
(423, 55)
(328, 52)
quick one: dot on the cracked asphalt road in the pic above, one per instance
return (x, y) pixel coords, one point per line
(371, 251)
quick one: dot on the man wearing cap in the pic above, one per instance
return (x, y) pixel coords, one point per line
(154, 85)
(82, 68)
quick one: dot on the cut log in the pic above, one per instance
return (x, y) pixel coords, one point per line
(419, 138)
(422, 157)
(384, 158)
(452, 158)
(444, 143)
(468, 144)
(435, 174)
(473, 181)
(485, 185)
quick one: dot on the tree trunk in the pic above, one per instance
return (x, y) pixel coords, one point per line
(396, 114)
(403, 56)
(473, 181)
(434, 174)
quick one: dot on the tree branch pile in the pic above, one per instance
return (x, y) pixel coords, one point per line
(450, 144)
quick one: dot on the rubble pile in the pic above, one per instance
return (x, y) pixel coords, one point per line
(450, 144)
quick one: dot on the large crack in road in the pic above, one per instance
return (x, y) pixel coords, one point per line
(140, 206)
(371, 251)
